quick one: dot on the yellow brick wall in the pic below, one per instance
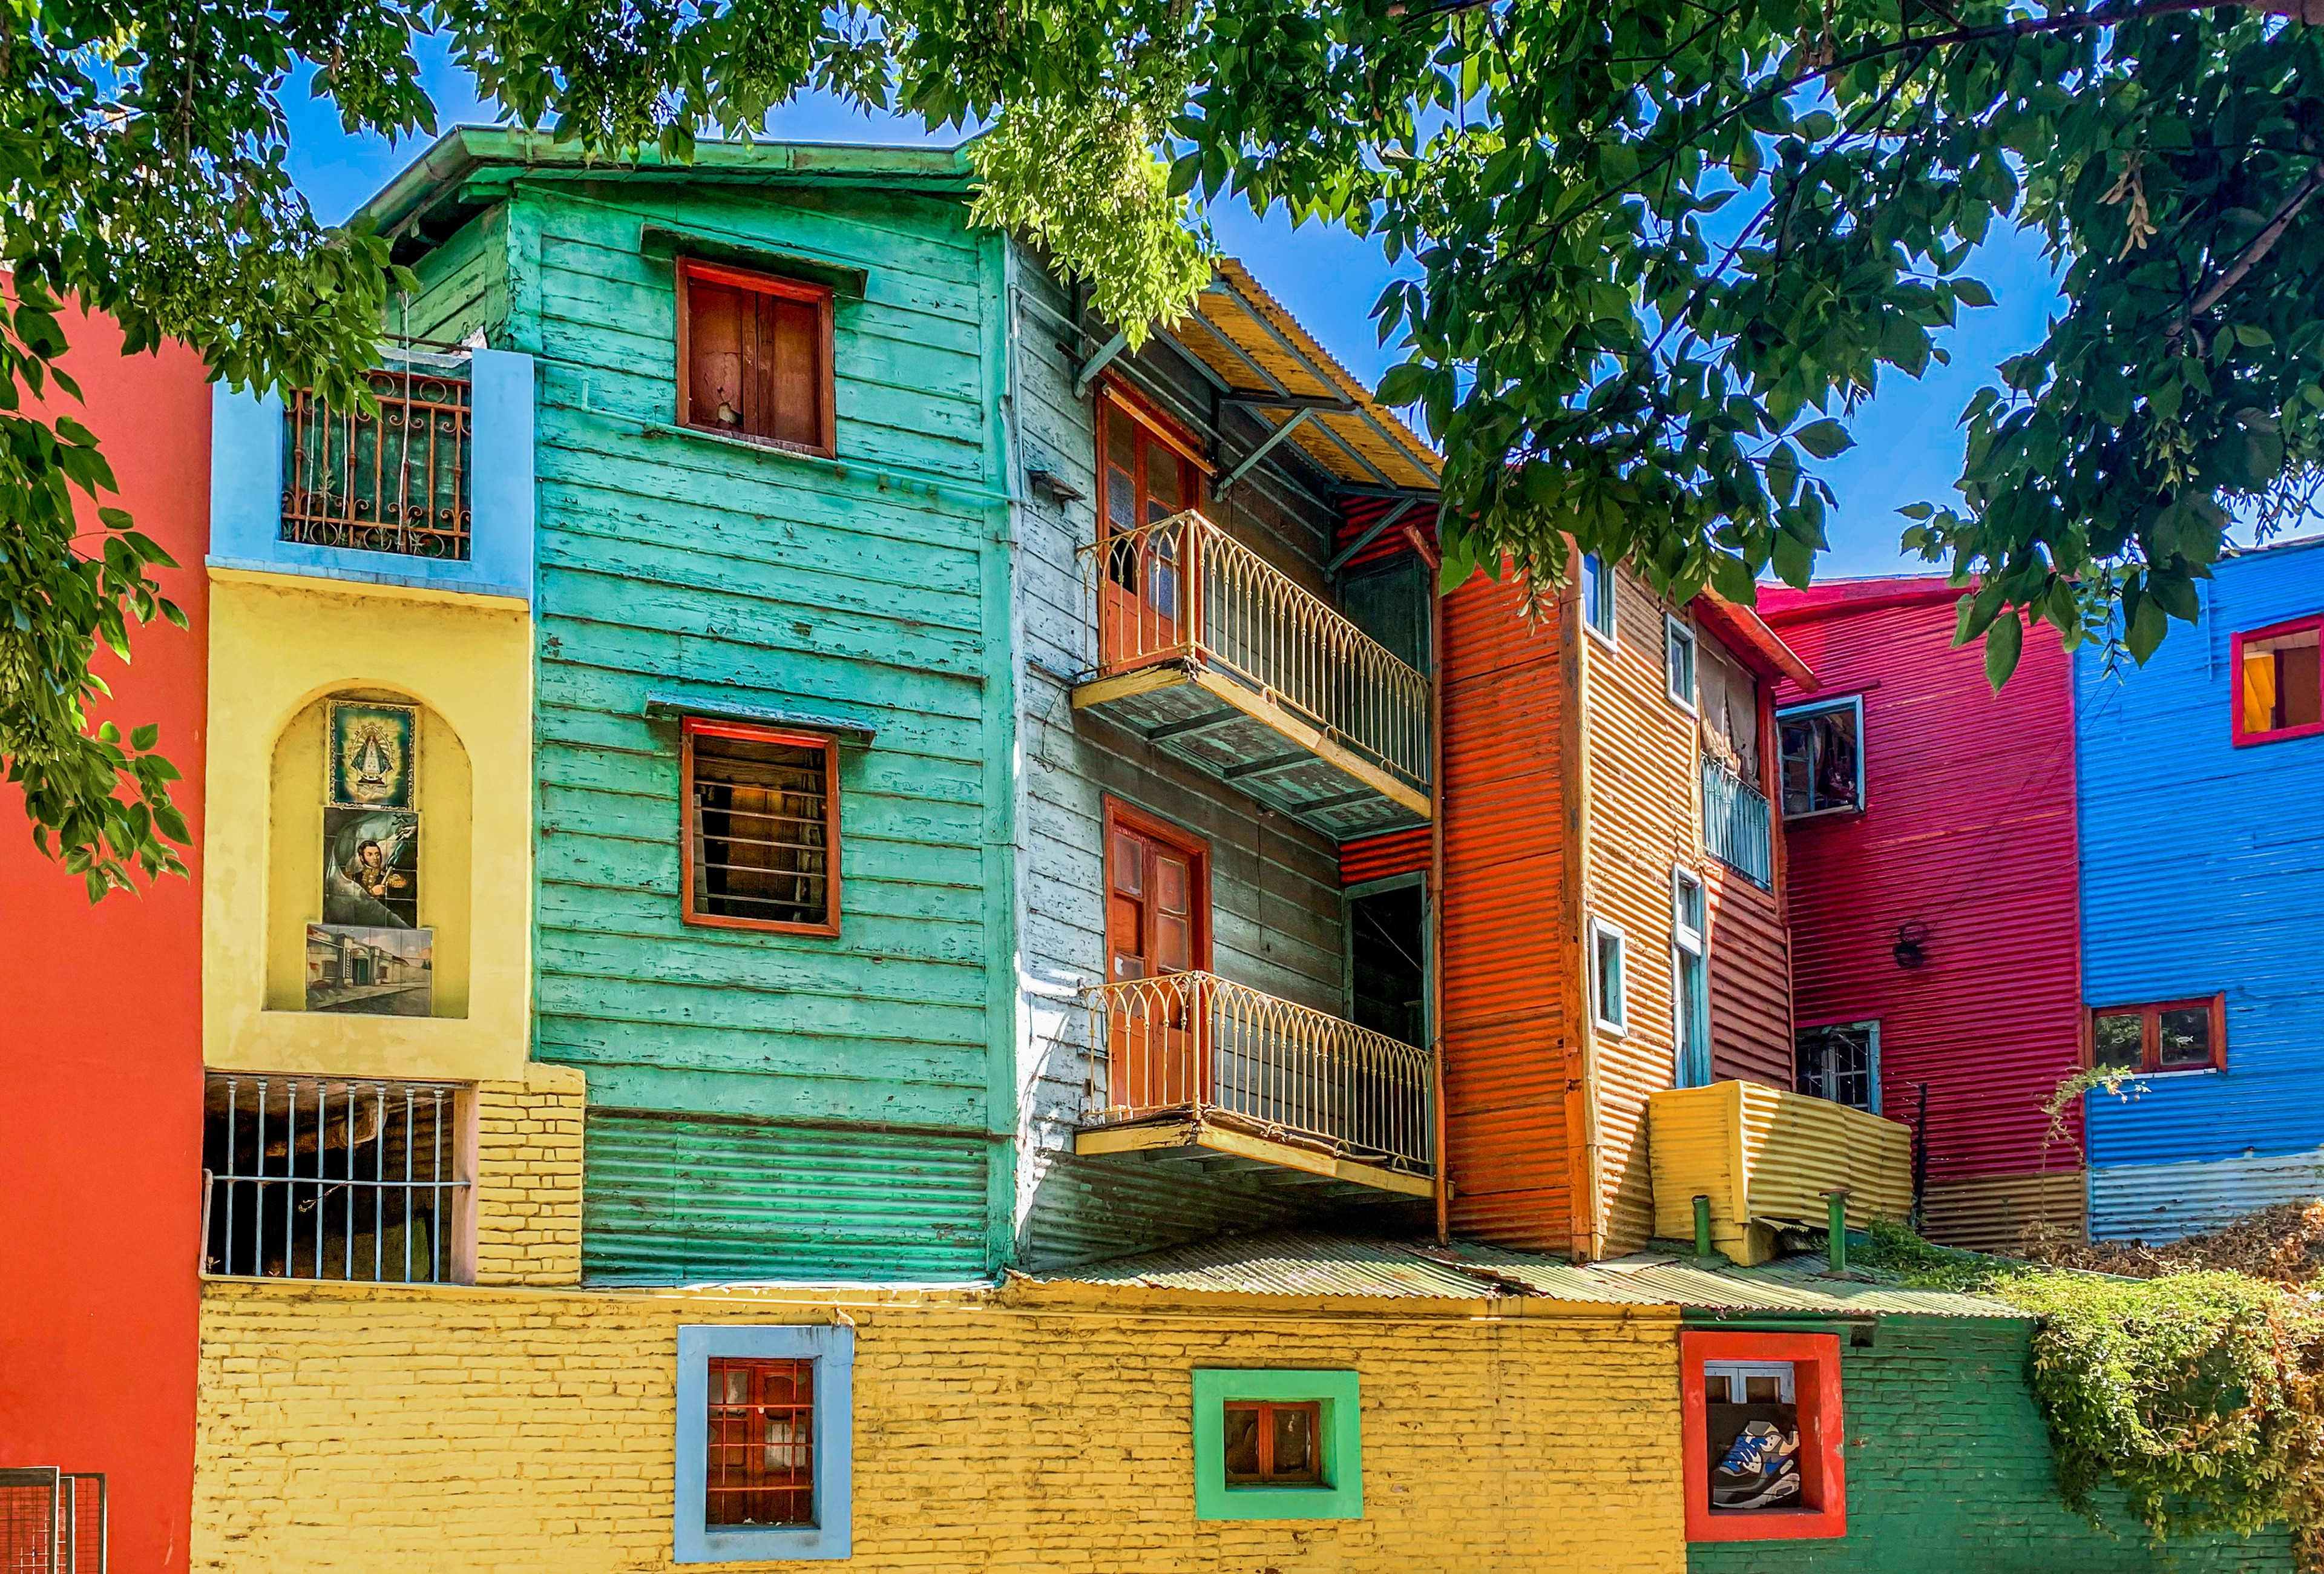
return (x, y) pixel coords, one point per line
(528, 1177)
(377, 1428)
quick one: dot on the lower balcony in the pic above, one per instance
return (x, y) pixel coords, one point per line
(1211, 653)
(1194, 1068)
(1768, 1160)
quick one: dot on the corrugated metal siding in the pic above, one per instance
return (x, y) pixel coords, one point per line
(1969, 830)
(1643, 820)
(1399, 852)
(2203, 871)
(672, 1200)
(1991, 1213)
(1510, 945)
(2161, 1202)
(1764, 1157)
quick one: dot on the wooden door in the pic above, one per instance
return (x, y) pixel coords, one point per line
(1146, 589)
(1156, 930)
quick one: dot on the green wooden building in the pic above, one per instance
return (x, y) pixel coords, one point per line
(940, 855)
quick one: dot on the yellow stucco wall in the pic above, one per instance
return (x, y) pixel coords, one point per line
(374, 1428)
(280, 643)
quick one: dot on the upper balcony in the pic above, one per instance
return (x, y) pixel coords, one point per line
(1209, 652)
(1768, 1160)
(432, 487)
(1193, 1066)
(1737, 826)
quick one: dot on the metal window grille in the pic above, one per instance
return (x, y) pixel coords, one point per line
(307, 1177)
(1737, 827)
(396, 480)
(52, 1521)
(762, 828)
(760, 1463)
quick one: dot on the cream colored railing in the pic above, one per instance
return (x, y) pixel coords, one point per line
(1184, 588)
(1196, 1042)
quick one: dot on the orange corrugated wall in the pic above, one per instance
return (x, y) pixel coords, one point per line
(1396, 852)
(1508, 933)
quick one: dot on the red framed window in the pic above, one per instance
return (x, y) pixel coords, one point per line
(1270, 1444)
(2170, 1035)
(1147, 473)
(754, 356)
(761, 848)
(760, 1469)
(1763, 1437)
(2279, 689)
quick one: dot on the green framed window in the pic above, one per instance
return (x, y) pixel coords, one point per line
(1273, 1443)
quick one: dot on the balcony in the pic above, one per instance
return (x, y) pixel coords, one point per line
(1736, 826)
(1193, 1066)
(1768, 1158)
(393, 480)
(1209, 653)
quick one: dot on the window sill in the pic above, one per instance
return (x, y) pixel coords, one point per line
(2282, 734)
(1824, 813)
(927, 483)
(2174, 1072)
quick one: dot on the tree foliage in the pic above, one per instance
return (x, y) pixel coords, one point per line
(1653, 254)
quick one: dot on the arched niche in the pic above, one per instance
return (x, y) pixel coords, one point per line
(297, 793)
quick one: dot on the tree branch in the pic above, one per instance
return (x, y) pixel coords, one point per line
(2257, 247)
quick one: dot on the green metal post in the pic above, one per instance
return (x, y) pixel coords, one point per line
(1703, 1226)
(1837, 1220)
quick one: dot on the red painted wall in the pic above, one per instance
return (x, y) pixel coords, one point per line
(100, 1041)
(1969, 830)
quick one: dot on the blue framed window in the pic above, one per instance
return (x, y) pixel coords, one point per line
(1596, 597)
(765, 1443)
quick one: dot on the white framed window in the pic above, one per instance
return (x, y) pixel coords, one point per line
(1598, 598)
(1678, 661)
(1841, 1061)
(766, 1443)
(1608, 988)
(1823, 745)
(1689, 982)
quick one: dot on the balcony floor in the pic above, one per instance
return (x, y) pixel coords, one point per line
(1191, 1132)
(1243, 736)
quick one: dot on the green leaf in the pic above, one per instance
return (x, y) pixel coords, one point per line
(1971, 293)
(144, 737)
(2003, 641)
(1825, 438)
(2147, 627)
(1402, 385)
(1794, 560)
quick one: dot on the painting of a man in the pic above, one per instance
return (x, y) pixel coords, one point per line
(371, 869)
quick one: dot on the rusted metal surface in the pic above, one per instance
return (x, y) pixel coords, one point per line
(1511, 1056)
(1197, 1042)
(1311, 1265)
(391, 481)
(1958, 781)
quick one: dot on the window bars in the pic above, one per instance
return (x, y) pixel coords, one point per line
(394, 480)
(1197, 1042)
(310, 1178)
(762, 1445)
(1736, 825)
(52, 1521)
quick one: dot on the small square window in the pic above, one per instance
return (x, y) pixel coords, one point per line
(1678, 661)
(2172, 1035)
(1841, 1062)
(2279, 694)
(765, 1443)
(1762, 1436)
(1597, 597)
(754, 356)
(1278, 1445)
(762, 844)
(1823, 757)
(1609, 998)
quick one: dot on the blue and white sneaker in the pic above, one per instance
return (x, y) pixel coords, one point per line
(1759, 1469)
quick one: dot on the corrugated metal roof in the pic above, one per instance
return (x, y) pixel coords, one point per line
(1299, 1263)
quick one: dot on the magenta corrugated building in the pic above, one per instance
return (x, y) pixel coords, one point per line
(1936, 949)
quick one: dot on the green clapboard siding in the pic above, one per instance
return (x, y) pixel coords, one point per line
(672, 1200)
(871, 592)
(1949, 1471)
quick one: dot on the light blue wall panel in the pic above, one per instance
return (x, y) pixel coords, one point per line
(2203, 872)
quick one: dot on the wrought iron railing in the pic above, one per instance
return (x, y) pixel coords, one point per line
(394, 480)
(1195, 1042)
(1183, 588)
(1736, 826)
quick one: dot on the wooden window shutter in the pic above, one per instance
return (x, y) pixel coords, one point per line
(755, 355)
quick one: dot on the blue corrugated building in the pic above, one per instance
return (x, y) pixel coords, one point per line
(2202, 886)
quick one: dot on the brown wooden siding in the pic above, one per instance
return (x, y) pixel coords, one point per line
(1512, 1055)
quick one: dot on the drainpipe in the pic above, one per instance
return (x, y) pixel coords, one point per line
(1436, 882)
(1836, 1219)
(1702, 1226)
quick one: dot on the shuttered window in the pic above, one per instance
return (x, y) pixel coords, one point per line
(754, 356)
(761, 844)
(1157, 897)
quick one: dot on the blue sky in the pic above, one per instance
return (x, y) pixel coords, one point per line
(1908, 440)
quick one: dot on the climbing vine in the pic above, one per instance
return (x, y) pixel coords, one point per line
(2198, 1396)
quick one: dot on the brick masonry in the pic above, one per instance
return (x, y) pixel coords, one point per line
(1949, 1471)
(528, 1177)
(378, 1428)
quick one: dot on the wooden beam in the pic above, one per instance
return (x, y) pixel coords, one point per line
(1098, 362)
(1128, 685)
(1298, 418)
(1260, 709)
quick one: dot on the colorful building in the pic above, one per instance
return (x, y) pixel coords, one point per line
(100, 1135)
(1930, 821)
(2195, 886)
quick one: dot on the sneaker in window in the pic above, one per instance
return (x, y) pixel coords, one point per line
(1759, 1468)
